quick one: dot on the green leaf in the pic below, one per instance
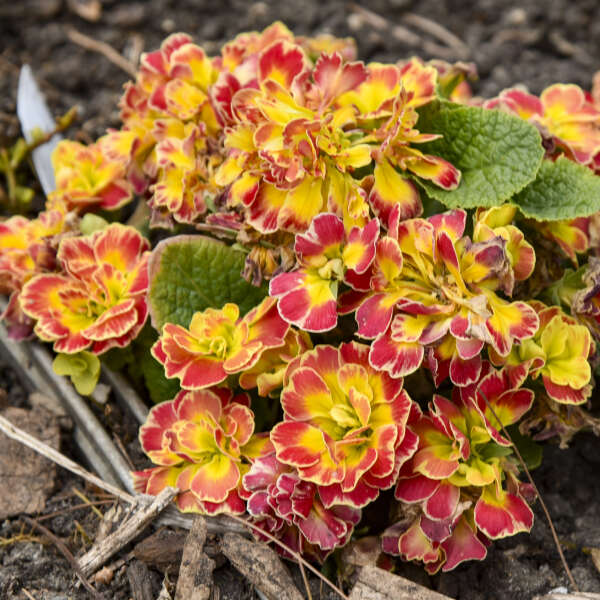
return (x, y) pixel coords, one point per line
(497, 154)
(189, 273)
(92, 223)
(493, 450)
(83, 368)
(562, 190)
(531, 452)
(159, 387)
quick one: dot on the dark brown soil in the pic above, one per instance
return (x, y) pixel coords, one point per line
(535, 43)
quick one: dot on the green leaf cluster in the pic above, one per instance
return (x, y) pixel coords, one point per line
(501, 159)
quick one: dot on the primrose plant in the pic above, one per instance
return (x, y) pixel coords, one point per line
(348, 288)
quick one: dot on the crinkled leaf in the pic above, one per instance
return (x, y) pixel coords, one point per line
(190, 273)
(562, 190)
(497, 154)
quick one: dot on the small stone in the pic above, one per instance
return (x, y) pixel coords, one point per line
(168, 25)
(516, 16)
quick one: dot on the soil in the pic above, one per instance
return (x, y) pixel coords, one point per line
(511, 42)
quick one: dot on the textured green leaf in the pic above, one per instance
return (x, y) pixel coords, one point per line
(189, 273)
(497, 154)
(562, 190)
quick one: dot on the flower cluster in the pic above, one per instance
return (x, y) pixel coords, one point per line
(463, 475)
(98, 300)
(295, 124)
(202, 442)
(284, 505)
(415, 317)
(27, 248)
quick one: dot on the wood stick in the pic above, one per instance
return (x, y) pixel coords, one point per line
(139, 581)
(67, 554)
(261, 566)
(171, 516)
(60, 459)
(441, 33)
(141, 518)
(376, 584)
(83, 416)
(195, 573)
(566, 596)
(102, 48)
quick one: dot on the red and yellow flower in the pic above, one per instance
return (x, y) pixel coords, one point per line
(497, 222)
(98, 301)
(564, 115)
(572, 235)
(287, 137)
(327, 256)
(433, 288)
(268, 373)
(170, 136)
(219, 343)
(27, 248)
(438, 544)
(290, 508)
(296, 140)
(185, 169)
(87, 178)
(387, 101)
(344, 427)
(463, 460)
(198, 441)
(558, 352)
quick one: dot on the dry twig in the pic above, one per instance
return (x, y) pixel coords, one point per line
(87, 501)
(407, 36)
(140, 519)
(438, 31)
(72, 508)
(102, 48)
(28, 440)
(376, 584)
(195, 573)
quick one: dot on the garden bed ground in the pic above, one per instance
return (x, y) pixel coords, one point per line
(511, 42)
